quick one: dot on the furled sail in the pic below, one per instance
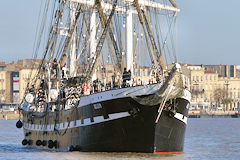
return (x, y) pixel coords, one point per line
(172, 88)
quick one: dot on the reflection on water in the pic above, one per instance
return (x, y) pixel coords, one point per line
(205, 139)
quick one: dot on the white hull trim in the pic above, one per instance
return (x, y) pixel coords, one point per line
(181, 117)
(74, 124)
(87, 122)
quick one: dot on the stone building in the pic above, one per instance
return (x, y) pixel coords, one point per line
(4, 87)
(224, 70)
(14, 78)
(217, 89)
(9, 83)
(30, 63)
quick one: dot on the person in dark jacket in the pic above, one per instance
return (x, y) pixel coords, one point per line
(129, 75)
(55, 66)
(125, 77)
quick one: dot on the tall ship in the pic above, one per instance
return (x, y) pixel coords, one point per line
(108, 80)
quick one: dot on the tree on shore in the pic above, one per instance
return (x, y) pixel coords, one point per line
(197, 92)
(220, 97)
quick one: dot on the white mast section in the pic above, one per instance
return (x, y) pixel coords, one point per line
(92, 47)
(72, 54)
(93, 29)
(130, 39)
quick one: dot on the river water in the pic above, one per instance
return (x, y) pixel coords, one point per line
(206, 138)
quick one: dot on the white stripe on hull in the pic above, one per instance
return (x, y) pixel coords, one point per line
(73, 124)
(181, 117)
(87, 122)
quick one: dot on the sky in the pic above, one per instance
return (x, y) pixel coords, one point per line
(208, 31)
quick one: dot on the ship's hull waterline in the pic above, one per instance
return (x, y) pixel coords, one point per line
(116, 125)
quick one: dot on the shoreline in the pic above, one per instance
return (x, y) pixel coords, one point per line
(211, 114)
(13, 116)
(9, 116)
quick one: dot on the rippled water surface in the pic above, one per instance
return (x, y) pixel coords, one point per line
(214, 138)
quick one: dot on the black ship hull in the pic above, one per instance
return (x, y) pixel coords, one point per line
(118, 125)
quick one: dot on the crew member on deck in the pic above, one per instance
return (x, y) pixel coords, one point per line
(55, 66)
(129, 75)
(43, 85)
(125, 77)
(95, 86)
(64, 71)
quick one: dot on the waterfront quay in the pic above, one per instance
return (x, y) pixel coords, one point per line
(9, 116)
(191, 114)
(8, 111)
(210, 114)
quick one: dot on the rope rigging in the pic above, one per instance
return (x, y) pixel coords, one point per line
(101, 40)
(103, 20)
(111, 27)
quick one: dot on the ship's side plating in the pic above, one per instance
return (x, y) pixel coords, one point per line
(120, 124)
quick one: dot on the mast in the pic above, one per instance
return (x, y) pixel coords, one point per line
(134, 7)
(92, 46)
(72, 53)
(96, 58)
(129, 39)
